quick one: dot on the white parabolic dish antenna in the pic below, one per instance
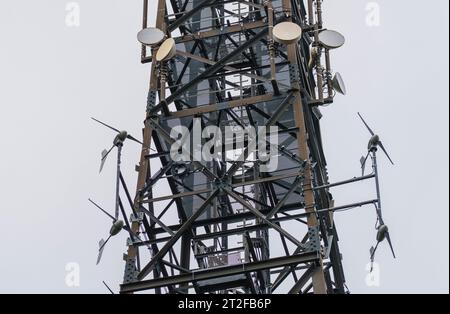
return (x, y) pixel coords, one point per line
(287, 33)
(150, 36)
(338, 84)
(167, 50)
(331, 39)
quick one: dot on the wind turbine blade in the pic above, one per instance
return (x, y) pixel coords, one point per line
(130, 137)
(140, 239)
(107, 287)
(104, 211)
(386, 153)
(373, 250)
(388, 237)
(103, 160)
(100, 251)
(367, 126)
(105, 154)
(363, 163)
(101, 245)
(104, 124)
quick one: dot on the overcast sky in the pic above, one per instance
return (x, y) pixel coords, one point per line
(53, 78)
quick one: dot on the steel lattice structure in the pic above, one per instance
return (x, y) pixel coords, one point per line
(225, 226)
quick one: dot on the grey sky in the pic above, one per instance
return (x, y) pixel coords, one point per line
(54, 78)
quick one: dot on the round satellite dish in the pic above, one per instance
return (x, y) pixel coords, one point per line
(150, 36)
(339, 85)
(331, 39)
(287, 33)
(167, 50)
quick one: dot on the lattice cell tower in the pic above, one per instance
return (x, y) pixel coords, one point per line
(246, 213)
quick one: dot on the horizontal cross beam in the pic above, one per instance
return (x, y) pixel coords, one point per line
(220, 272)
